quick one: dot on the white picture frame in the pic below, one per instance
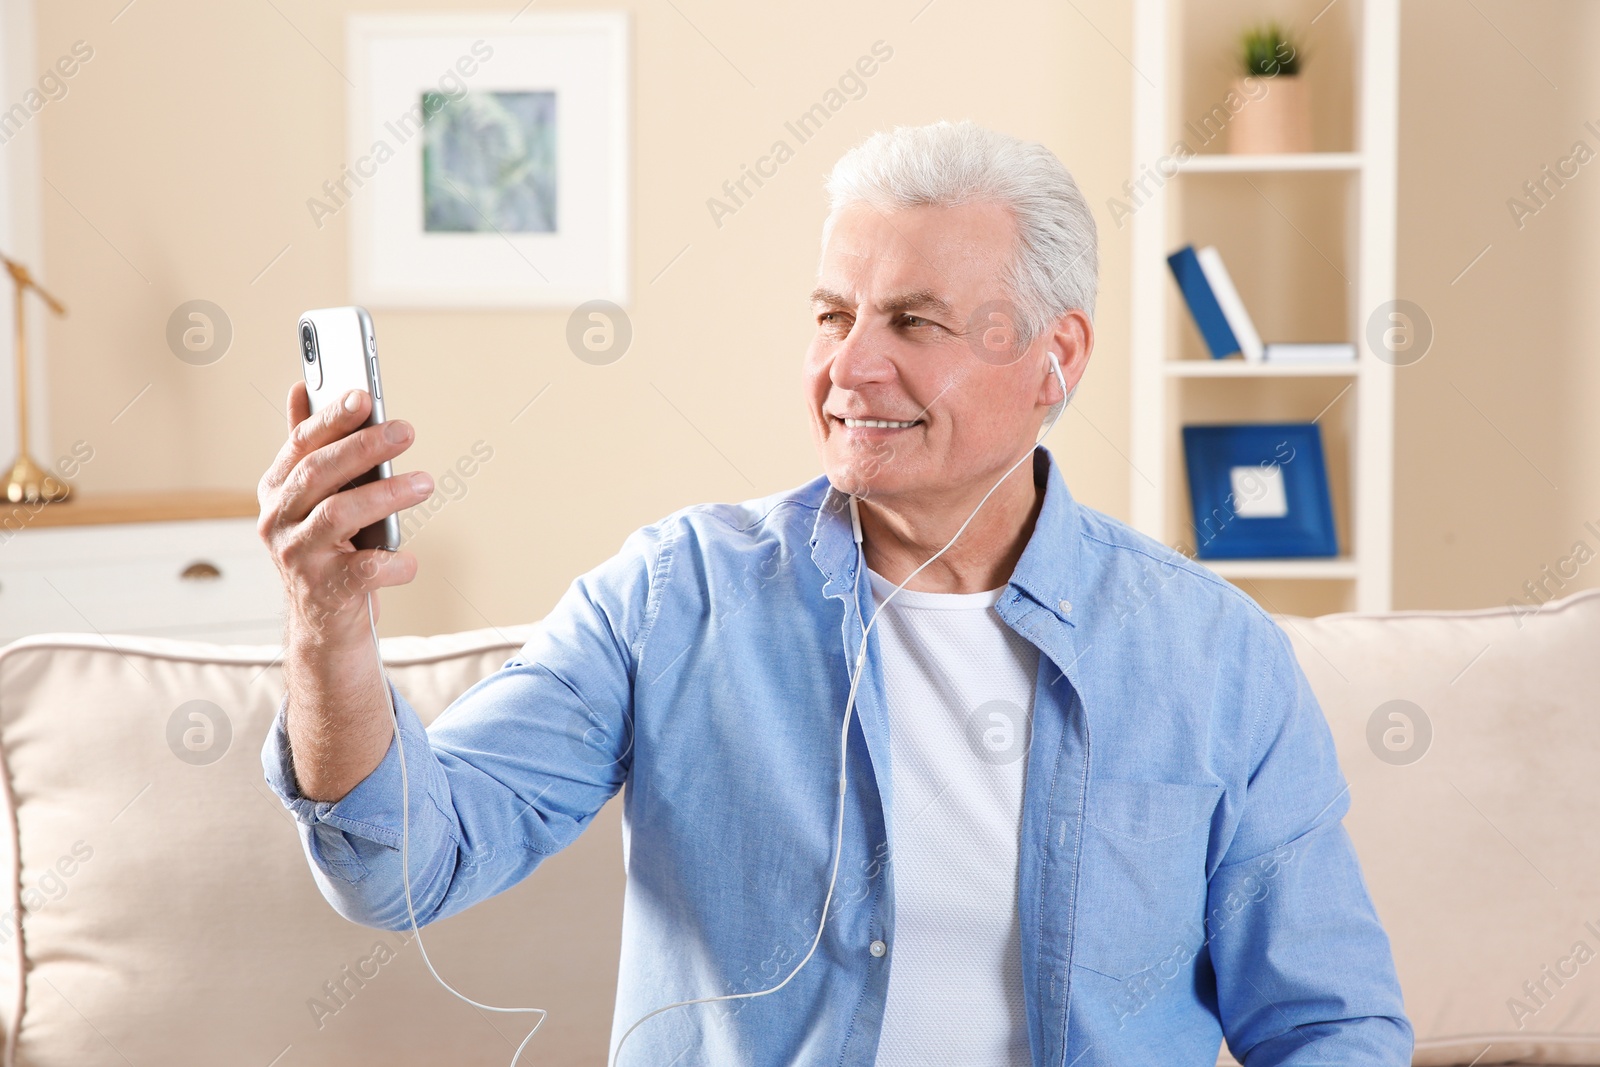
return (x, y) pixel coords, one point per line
(560, 238)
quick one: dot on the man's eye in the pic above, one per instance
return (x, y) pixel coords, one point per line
(830, 318)
(917, 320)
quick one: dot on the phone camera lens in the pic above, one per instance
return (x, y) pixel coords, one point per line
(308, 342)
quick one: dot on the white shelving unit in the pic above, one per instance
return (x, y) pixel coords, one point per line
(1288, 161)
(1162, 383)
(1228, 368)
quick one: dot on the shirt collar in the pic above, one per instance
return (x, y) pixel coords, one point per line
(1045, 572)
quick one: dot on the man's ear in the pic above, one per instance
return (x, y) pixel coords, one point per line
(1071, 339)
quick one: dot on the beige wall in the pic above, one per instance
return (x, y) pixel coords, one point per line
(1497, 427)
(193, 138)
(179, 166)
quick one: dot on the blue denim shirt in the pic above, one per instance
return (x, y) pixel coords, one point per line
(1184, 871)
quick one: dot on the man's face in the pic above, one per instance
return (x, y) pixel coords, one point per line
(912, 325)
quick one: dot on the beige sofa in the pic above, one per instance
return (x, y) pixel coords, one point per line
(161, 911)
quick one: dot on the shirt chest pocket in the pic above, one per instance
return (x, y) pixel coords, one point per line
(1142, 876)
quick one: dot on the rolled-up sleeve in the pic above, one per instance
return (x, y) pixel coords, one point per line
(510, 773)
(1303, 967)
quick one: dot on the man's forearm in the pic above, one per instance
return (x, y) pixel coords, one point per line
(338, 712)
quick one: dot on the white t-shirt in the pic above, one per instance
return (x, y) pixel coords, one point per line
(959, 685)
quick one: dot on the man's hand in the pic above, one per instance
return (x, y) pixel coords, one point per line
(338, 714)
(307, 521)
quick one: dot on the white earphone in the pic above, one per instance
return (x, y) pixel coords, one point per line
(1055, 368)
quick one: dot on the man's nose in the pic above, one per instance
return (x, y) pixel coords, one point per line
(860, 359)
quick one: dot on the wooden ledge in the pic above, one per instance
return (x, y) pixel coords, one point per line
(160, 505)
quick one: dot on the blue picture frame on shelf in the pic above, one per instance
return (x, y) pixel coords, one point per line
(1259, 491)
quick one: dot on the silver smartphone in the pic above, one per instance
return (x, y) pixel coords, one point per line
(339, 352)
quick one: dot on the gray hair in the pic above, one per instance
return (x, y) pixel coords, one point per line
(1056, 266)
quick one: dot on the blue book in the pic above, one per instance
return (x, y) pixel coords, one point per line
(1203, 305)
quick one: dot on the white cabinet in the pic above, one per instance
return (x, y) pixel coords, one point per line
(208, 579)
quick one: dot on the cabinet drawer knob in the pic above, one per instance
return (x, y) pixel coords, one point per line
(200, 570)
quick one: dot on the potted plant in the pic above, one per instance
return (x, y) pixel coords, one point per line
(1276, 116)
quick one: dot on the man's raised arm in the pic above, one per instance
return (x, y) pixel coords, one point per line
(510, 773)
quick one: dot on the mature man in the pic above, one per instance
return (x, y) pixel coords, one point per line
(1092, 812)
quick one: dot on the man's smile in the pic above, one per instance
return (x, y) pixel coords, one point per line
(870, 425)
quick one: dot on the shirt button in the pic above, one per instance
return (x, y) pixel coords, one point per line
(877, 948)
(1064, 605)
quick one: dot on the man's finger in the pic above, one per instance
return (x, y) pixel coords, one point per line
(348, 511)
(345, 414)
(309, 434)
(299, 404)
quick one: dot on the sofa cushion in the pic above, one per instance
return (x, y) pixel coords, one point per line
(167, 914)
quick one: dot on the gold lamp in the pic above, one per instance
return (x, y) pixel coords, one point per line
(27, 482)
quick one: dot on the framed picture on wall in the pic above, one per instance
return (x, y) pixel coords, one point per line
(487, 160)
(1259, 490)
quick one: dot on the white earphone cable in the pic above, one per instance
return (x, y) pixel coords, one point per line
(405, 852)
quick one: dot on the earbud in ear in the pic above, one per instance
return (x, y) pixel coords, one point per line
(1055, 368)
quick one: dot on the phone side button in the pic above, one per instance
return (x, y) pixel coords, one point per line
(377, 387)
